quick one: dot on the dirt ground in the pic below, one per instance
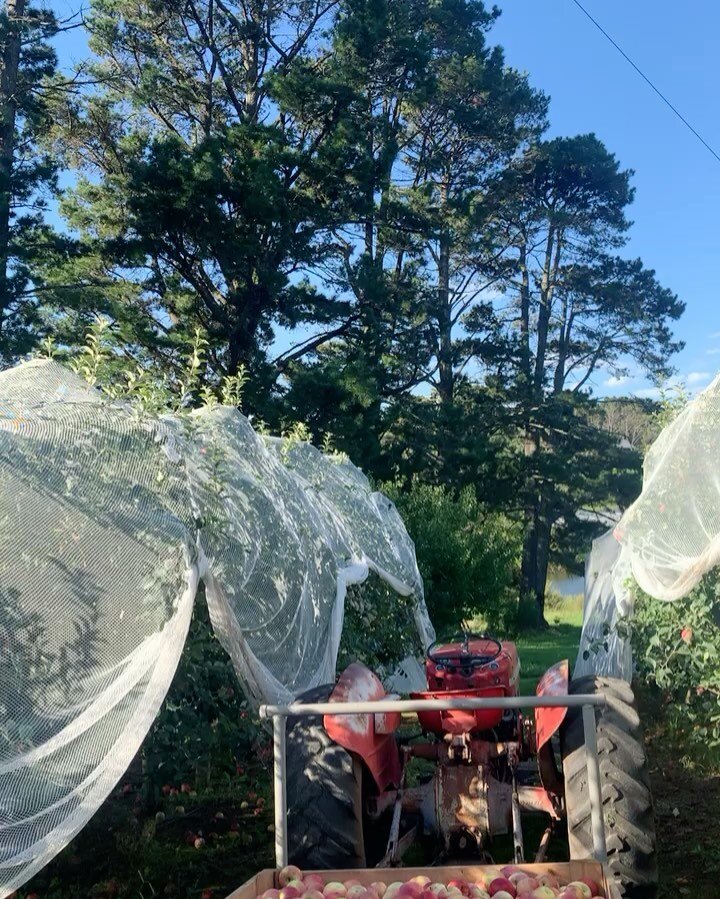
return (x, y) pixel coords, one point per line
(686, 810)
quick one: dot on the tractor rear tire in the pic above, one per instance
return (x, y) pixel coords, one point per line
(627, 800)
(324, 795)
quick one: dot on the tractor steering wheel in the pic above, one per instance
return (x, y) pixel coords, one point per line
(440, 652)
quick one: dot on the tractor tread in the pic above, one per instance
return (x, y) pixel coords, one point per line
(627, 800)
(323, 795)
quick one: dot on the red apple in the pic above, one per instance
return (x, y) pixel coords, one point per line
(503, 894)
(379, 888)
(312, 894)
(526, 885)
(356, 891)
(334, 887)
(420, 879)
(588, 881)
(289, 892)
(543, 892)
(314, 882)
(288, 873)
(500, 885)
(508, 870)
(270, 894)
(548, 880)
(410, 889)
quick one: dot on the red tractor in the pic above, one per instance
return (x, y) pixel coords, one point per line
(358, 796)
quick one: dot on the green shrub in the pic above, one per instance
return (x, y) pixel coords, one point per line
(676, 647)
(468, 557)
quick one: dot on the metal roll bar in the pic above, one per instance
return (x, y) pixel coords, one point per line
(280, 713)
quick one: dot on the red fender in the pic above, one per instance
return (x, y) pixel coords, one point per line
(369, 736)
(553, 683)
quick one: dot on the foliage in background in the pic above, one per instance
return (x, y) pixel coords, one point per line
(379, 629)
(467, 556)
(205, 726)
(676, 648)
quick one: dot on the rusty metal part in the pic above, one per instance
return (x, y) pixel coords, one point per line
(391, 853)
(462, 749)
(544, 843)
(402, 846)
(535, 799)
(549, 775)
(518, 845)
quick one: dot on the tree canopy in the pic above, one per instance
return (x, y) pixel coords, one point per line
(353, 202)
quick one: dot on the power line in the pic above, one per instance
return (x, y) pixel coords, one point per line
(647, 80)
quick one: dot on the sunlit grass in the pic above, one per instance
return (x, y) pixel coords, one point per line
(539, 650)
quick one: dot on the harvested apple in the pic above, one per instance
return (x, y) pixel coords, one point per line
(501, 885)
(581, 888)
(526, 884)
(379, 888)
(543, 892)
(335, 887)
(314, 882)
(288, 873)
(289, 892)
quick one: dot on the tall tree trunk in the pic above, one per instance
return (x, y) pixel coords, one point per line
(10, 61)
(446, 375)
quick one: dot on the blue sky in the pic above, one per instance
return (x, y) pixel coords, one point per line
(592, 88)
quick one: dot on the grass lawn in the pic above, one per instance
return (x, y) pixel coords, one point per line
(539, 650)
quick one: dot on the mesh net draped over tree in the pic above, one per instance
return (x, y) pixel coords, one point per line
(108, 521)
(669, 538)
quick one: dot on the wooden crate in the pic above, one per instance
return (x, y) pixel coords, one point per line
(565, 871)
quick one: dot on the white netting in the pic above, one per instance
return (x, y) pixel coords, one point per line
(672, 531)
(107, 522)
(668, 539)
(602, 650)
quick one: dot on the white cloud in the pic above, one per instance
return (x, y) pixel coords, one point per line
(697, 377)
(648, 393)
(616, 381)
